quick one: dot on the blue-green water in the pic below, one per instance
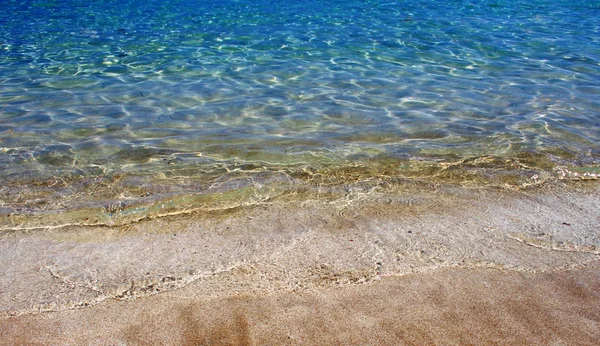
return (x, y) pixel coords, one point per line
(127, 101)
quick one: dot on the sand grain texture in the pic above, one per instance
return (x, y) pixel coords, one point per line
(469, 267)
(450, 306)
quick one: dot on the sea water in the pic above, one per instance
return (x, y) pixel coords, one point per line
(112, 111)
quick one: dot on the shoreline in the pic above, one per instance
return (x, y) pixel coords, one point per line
(120, 199)
(293, 249)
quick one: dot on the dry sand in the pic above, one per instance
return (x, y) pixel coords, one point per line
(457, 266)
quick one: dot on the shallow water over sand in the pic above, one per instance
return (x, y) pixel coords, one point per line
(112, 112)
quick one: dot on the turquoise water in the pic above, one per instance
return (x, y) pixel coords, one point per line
(126, 102)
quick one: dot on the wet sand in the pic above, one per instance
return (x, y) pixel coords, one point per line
(456, 266)
(449, 306)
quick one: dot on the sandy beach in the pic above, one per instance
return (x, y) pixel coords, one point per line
(446, 266)
(445, 307)
(299, 173)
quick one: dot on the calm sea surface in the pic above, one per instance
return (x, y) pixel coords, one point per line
(144, 107)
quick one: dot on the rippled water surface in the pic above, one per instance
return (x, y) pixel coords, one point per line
(129, 102)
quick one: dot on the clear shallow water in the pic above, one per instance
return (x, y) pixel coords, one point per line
(126, 102)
